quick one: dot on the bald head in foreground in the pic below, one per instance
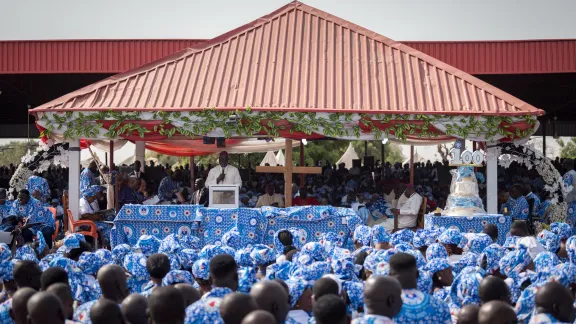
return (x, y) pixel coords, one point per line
(555, 300)
(259, 317)
(105, 311)
(382, 296)
(496, 312)
(235, 306)
(271, 297)
(45, 308)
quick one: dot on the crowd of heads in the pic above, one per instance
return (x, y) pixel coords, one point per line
(464, 277)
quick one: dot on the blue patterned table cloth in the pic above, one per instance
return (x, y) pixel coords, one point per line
(256, 225)
(471, 224)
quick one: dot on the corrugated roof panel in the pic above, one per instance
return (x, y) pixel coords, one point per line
(300, 59)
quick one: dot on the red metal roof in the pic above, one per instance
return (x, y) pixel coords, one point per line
(116, 56)
(84, 56)
(297, 58)
(505, 57)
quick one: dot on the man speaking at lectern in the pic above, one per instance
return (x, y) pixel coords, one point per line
(223, 174)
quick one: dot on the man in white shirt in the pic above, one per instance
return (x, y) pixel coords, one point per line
(270, 198)
(406, 210)
(223, 173)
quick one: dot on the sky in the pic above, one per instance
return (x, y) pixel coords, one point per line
(186, 19)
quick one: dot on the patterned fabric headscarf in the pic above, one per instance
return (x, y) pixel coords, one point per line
(479, 243)
(148, 244)
(493, 253)
(402, 236)
(91, 191)
(363, 235)
(563, 230)
(436, 250)
(379, 234)
(549, 240)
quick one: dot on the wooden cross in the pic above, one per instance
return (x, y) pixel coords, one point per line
(288, 169)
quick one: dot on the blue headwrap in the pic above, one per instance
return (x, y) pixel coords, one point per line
(345, 269)
(515, 262)
(232, 238)
(424, 283)
(436, 250)
(355, 293)
(119, 252)
(279, 270)
(479, 242)
(420, 262)
(297, 240)
(246, 279)
(379, 234)
(5, 253)
(549, 240)
(296, 287)
(561, 229)
(201, 269)
(71, 241)
(187, 258)
(26, 253)
(6, 270)
(210, 251)
(363, 235)
(311, 272)
(544, 263)
(190, 242)
(466, 290)
(402, 236)
(177, 276)
(148, 245)
(262, 254)
(135, 263)
(170, 244)
(436, 265)
(243, 258)
(511, 242)
(493, 253)
(105, 256)
(451, 236)
(90, 263)
(469, 259)
(424, 237)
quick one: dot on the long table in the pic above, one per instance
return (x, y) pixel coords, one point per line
(255, 225)
(471, 224)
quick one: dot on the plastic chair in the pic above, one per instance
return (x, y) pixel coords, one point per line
(57, 222)
(72, 225)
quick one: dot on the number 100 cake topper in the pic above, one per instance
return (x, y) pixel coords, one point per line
(466, 158)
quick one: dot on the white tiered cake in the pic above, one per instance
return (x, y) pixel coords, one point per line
(463, 199)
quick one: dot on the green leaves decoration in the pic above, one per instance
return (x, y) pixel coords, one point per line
(249, 122)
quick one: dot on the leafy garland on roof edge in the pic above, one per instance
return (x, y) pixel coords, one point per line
(248, 122)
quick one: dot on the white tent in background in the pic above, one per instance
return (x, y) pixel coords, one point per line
(348, 156)
(269, 159)
(280, 158)
(417, 158)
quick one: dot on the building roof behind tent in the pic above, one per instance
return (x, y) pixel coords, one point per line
(297, 58)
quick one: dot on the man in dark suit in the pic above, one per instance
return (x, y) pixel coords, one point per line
(138, 171)
(200, 196)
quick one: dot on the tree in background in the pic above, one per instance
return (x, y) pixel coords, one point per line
(14, 151)
(567, 149)
(444, 151)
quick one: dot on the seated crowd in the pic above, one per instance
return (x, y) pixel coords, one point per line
(427, 276)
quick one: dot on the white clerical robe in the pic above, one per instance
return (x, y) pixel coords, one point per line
(409, 208)
(267, 200)
(232, 176)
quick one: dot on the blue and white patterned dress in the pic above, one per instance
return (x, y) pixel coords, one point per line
(536, 206)
(5, 308)
(166, 187)
(419, 307)
(35, 211)
(207, 309)
(518, 208)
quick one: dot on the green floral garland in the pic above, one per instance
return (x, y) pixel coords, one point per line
(248, 122)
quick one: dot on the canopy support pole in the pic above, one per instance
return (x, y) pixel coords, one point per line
(492, 180)
(140, 154)
(544, 137)
(192, 175)
(112, 197)
(301, 164)
(412, 164)
(74, 178)
(382, 154)
(365, 148)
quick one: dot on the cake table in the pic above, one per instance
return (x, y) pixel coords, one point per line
(471, 224)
